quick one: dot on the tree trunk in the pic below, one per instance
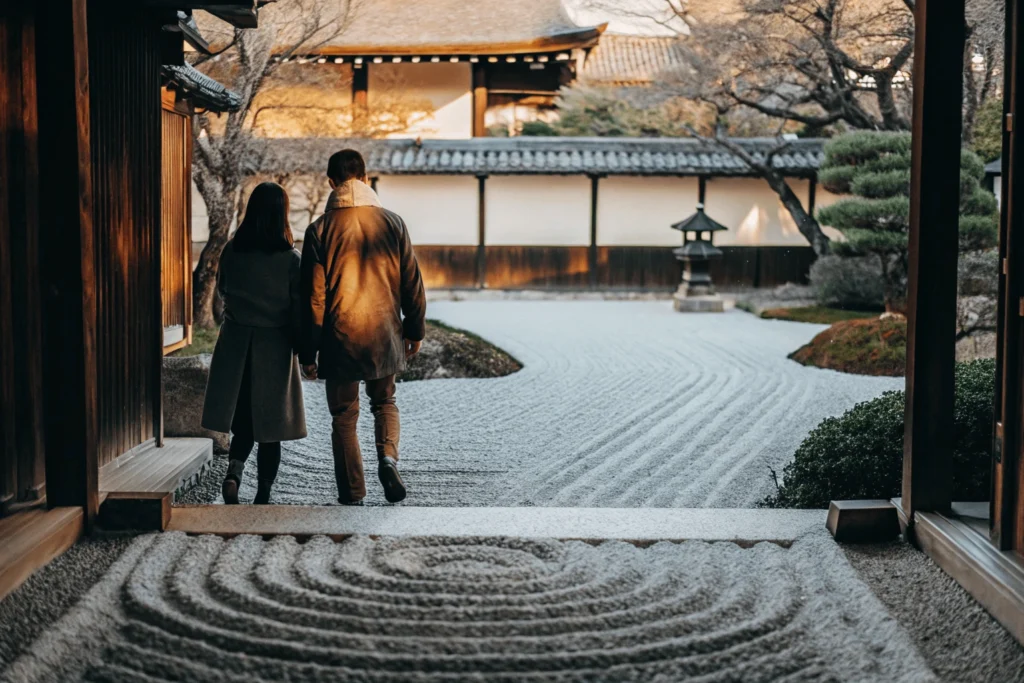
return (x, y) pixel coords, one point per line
(805, 222)
(204, 278)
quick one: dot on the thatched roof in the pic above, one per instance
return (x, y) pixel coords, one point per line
(542, 155)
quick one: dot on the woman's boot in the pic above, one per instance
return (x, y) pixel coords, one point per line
(262, 492)
(229, 489)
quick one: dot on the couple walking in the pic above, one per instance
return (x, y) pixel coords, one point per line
(351, 308)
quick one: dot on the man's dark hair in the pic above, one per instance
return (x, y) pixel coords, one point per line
(345, 165)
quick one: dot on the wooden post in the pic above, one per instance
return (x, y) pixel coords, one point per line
(67, 247)
(479, 100)
(155, 151)
(481, 241)
(360, 100)
(23, 186)
(1006, 489)
(934, 211)
(592, 253)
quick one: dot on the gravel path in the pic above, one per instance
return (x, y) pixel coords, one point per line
(196, 608)
(619, 403)
(958, 638)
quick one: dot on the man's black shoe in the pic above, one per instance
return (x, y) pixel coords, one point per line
(391, 480)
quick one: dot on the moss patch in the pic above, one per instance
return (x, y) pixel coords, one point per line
(446, 352)
(863, 347)
(203, 341)
(823, 315)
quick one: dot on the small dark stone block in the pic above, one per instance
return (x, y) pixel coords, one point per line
(863, 521)
(146, 511)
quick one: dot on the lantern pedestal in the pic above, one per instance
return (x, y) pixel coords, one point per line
(708, 303)
(696, 294)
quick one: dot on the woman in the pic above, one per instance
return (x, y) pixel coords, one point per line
(254, 388)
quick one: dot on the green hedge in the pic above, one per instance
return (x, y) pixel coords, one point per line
(860, 454)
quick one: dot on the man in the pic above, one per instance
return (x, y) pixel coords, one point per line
(359, 277)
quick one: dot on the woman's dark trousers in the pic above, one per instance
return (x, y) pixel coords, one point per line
(268, 455)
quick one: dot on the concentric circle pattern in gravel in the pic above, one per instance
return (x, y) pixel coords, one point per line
(619, 404)
(448, 609)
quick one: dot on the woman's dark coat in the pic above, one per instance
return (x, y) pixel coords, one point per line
(261, 311)
(359, 276)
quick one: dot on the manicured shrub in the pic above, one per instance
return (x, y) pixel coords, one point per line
(873, 169)
(851, 283)
(860, 454)
(541, 128)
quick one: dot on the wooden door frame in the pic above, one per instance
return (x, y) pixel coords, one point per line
(931, 302)
(1006, 512)
(178, 107)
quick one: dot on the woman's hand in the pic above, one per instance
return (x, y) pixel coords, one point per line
(411, 348)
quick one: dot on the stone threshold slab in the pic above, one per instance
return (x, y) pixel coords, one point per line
(638, 525)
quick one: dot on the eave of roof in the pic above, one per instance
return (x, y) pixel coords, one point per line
(547, 156)
(558, 42)
(200, 88)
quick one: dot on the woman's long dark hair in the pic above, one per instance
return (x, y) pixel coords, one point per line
(265, 226)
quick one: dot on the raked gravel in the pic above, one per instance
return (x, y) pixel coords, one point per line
(199, 608)
(619, 403)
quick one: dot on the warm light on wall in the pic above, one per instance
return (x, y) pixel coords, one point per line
(415, 60)
(378, 60)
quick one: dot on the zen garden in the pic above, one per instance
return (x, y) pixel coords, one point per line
(555, 340)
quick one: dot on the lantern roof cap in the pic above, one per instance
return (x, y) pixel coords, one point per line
(699, 222)
(697, 249)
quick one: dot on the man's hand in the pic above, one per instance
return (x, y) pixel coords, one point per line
(411, 348)
(309, 371)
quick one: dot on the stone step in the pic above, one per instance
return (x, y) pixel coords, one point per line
(638, 525)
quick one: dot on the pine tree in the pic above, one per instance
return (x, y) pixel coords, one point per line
(874, 168)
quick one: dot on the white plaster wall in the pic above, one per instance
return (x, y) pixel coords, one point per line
(200, 220)
(445, 87)
(538, 210)
(753, 212)
(823, 198)
(636, 211)
(437, 209)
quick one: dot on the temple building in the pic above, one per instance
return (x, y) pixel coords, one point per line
(450, 84)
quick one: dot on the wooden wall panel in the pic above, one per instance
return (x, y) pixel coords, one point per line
(633, 268)
(447, 267)
(176, 242)
(124, 71)
(536, 267)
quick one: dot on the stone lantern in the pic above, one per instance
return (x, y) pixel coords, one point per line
(696, 293)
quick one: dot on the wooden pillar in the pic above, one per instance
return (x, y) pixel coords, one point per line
(934, 211)
(360, 100)
(481, 241)
(479, 100)
(23, 186)
(1006, 489)
(67, 249)
(592, 253)
(702, 189)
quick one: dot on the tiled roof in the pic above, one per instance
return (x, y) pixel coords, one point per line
(994, 167)
(436, 27)
(200, 88)
(632, 60)
(544, 155)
